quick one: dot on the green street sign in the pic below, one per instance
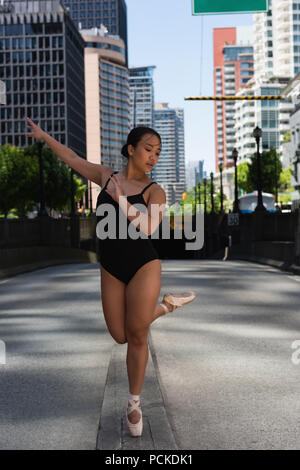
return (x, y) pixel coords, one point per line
(219, 7)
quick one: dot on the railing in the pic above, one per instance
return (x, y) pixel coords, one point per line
(46, 231)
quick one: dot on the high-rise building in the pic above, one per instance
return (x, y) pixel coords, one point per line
(194, 173)
(169, 172)
(41, 52)
(199, 171)
(233, 68)
(272, 116)
(276, 60)
(277, 40)
(88, 14)
(141, 96)
(107, 100)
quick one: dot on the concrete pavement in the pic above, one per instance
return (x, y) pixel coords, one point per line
(220, 373)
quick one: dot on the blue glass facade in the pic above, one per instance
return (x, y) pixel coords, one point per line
(93, 13)
(39, 58)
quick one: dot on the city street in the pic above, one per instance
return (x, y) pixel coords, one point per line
(223, 363)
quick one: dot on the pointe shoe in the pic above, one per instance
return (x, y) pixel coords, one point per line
(135, 429)
(178, 300)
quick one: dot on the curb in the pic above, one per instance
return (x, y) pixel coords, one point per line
(282, 265)
(113, 433)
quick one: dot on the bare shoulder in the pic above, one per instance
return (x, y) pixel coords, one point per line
(157, 194)
(105, 173)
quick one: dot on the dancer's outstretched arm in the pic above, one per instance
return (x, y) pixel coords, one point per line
(91, 171)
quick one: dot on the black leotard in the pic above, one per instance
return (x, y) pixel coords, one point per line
(124, 257)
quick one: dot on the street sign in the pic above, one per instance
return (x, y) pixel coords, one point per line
(233, 218)
(219, 7)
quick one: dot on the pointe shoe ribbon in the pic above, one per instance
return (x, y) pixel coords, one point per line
(135, 429)
(178, 300)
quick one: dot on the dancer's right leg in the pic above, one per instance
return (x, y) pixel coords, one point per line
(113, 304)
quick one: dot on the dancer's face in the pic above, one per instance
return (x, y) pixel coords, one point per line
(145, 155)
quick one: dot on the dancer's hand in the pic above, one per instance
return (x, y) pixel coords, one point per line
(116, 190)
(38, 133)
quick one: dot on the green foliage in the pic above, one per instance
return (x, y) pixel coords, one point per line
(190, 199)
(20, 180)
(267, 171)
(16, 183)
(247, 174)
(287, 136)
(285, 178)
(243, 177)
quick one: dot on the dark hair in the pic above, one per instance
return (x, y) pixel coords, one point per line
(135, 136)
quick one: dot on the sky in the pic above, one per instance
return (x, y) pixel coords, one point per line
(164, 33)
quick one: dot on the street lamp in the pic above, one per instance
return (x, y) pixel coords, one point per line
(91, 204)
(276, 188)
(204, 181)
(257, 133)
(72, 194)
(236, 206)
(42, 210)
(212, 192)
(221, 169)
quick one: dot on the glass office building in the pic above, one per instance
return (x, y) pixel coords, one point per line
(169, 172)
(141, 96)
(88, 14)
(41, 52)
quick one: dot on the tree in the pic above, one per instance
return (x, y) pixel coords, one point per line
(243, 177)
(285, 178)
(287, 136)
(267, 159)
(20, 180)
(16, 181)
(190, 197)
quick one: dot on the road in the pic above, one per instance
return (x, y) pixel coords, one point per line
(224, 362)
(57, 354)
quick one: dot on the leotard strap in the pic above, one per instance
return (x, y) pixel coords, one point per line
(147, 187)
(109, 179)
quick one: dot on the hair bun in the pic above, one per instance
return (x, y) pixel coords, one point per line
(124, 151)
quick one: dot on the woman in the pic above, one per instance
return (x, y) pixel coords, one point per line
(130, 268)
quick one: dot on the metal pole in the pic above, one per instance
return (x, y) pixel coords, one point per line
(236, 204)
(91, 204)
(204, 181)
(72, 194)
(42, 211)
(221, 180)
(260, 206)
(212, 192)
(276, 187)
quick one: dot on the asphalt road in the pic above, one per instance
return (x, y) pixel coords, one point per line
(57, 355)
(225, 360)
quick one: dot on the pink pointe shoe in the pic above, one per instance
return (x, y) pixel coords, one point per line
(135, 429)
(178, 300)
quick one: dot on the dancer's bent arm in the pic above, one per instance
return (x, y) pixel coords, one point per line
(149, 221)
(91, 171)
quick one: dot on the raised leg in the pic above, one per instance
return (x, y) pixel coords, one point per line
(114, 308)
